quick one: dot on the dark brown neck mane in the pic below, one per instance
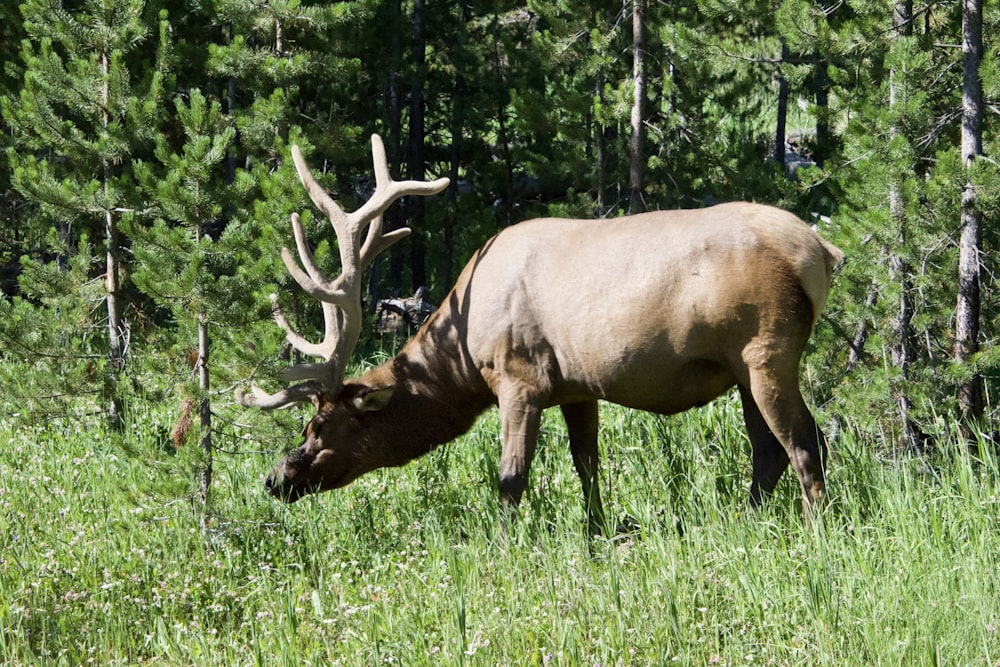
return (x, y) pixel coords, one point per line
(435, 400)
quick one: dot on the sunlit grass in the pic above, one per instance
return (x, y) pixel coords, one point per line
(105, 559)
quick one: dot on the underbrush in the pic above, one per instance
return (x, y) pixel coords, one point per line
(109, 557)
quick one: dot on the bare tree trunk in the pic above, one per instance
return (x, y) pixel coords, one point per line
(856, 355)
(638, 141)
(599, 131)
(824, 134)
(417, 158)
(782, 119)
(600, 148)
(231, 112)
(457, 128)
(967, 315)
(117, 331)
(393, 218)
(861, 337)
(903, 347)
(504, 213)
(205, 411)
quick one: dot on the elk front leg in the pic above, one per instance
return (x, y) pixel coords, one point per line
(520, 418)
(581, 423)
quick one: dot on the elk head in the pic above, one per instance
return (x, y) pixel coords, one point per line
(329, 456)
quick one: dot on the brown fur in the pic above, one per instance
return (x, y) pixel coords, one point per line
(662, 312)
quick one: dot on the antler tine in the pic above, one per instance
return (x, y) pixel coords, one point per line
(376, 242)
(324, 349)
(323, 201)
(312, 280)
(258, 398)
(318, 375)
(340, 297)
(388, 190)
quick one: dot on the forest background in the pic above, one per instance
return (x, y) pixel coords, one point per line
(147, 186)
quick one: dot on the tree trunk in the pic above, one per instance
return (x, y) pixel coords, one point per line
(902, 349)
(393, 218)
(861, 337)
(417, 159)
(856, 355)
(117, 336)
(600, 148)
(824, 133)
(967, 316)
(205, 410)
(455, 151)
(504, 213)
(638, 141)
(782, 119)
(231, 111)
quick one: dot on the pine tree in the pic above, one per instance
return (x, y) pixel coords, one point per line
(88, 102)
(718, 110)
(14, 236)
(896, 199)
(180, 264)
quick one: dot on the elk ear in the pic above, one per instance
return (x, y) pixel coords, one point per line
(371, 399)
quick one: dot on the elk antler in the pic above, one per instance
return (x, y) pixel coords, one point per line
(341, 296)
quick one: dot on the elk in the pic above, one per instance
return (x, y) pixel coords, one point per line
(661, 311)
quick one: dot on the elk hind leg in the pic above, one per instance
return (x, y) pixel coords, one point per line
(581, 423)
(776, 393)
(769, 456)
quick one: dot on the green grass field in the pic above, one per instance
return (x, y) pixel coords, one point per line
(106, 557)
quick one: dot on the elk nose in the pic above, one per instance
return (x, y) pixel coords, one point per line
(269, 483)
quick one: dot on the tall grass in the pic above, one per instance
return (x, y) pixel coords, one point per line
(105, 559)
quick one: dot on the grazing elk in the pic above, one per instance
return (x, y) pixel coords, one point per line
(661, 311)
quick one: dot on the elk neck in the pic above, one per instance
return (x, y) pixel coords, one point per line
(435, 400)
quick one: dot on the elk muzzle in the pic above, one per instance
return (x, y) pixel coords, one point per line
(304, 471)
(287, 480)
